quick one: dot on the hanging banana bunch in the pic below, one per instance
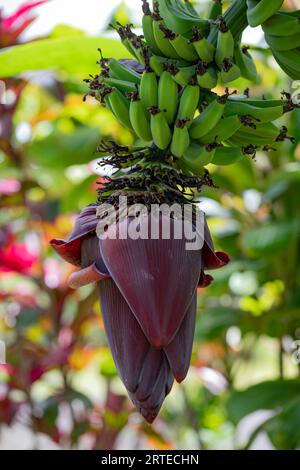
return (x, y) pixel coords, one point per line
(165, 95)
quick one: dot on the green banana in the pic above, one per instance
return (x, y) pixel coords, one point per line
(267, 114)
(206, 76)
(209, 118)
(140, 48)
(138, 118)
(179, 17)
(125, 34)
(289, 61)
(120, 71)
(215, 10)
(226, 155)
(205, 50)
(184, 48)
(263, 134)
(283, 24)
(196, 157)
(256, 102)
(180, 138)
(160, 130)
(188, 103)
(229, 71)
(122, 85)
(280, 43)
(245, 63)
(164, 43)
(182, 75)
(181, 44)
(259, 11)
(119, 105)
(236, 19)
(157, 64)
(158, 31)
(168, 95)
(147, 24)
(225, 129)
(225, 43)
(149, 89)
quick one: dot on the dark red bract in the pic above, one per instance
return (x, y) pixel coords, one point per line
(147, 290)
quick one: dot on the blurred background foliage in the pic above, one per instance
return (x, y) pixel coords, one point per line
(59, 387)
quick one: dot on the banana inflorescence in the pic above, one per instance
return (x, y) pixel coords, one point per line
(170, 96)
(167, 100)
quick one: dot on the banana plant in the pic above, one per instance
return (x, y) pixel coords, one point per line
(166, 95)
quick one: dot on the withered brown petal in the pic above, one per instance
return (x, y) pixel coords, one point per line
(157, 277)
(179, 351)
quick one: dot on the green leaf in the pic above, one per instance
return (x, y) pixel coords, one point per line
(73, 54)
(60, 150)
(80, 196)
(272, 238)
(214, 321)
(266, 395)
(284, 429)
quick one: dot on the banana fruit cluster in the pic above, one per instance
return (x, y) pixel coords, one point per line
(168, 102)
(174, 31)
(282, 33)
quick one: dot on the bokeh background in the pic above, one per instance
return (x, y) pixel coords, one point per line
(59, 387)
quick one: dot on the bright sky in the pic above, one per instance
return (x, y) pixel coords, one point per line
(89, 15)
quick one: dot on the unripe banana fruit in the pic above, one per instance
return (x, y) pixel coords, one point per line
(229, 71)
(197, 156)
(261, 10)
(205, 50)
(180, 138)
(189, 102)
(206, 76)
(245, 63)
(149, 90)
(168, 95)
(138, 118)
(181, 44)
(225, 44)
(209, 118)
(147, 23)
(120, 107)
(160, 130)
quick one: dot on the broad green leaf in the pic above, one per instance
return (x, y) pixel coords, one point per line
(266, 395)
(73, 54)
(60, 150)
(271, 238)
(80, 196)
(284, 429)
(214, 321)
